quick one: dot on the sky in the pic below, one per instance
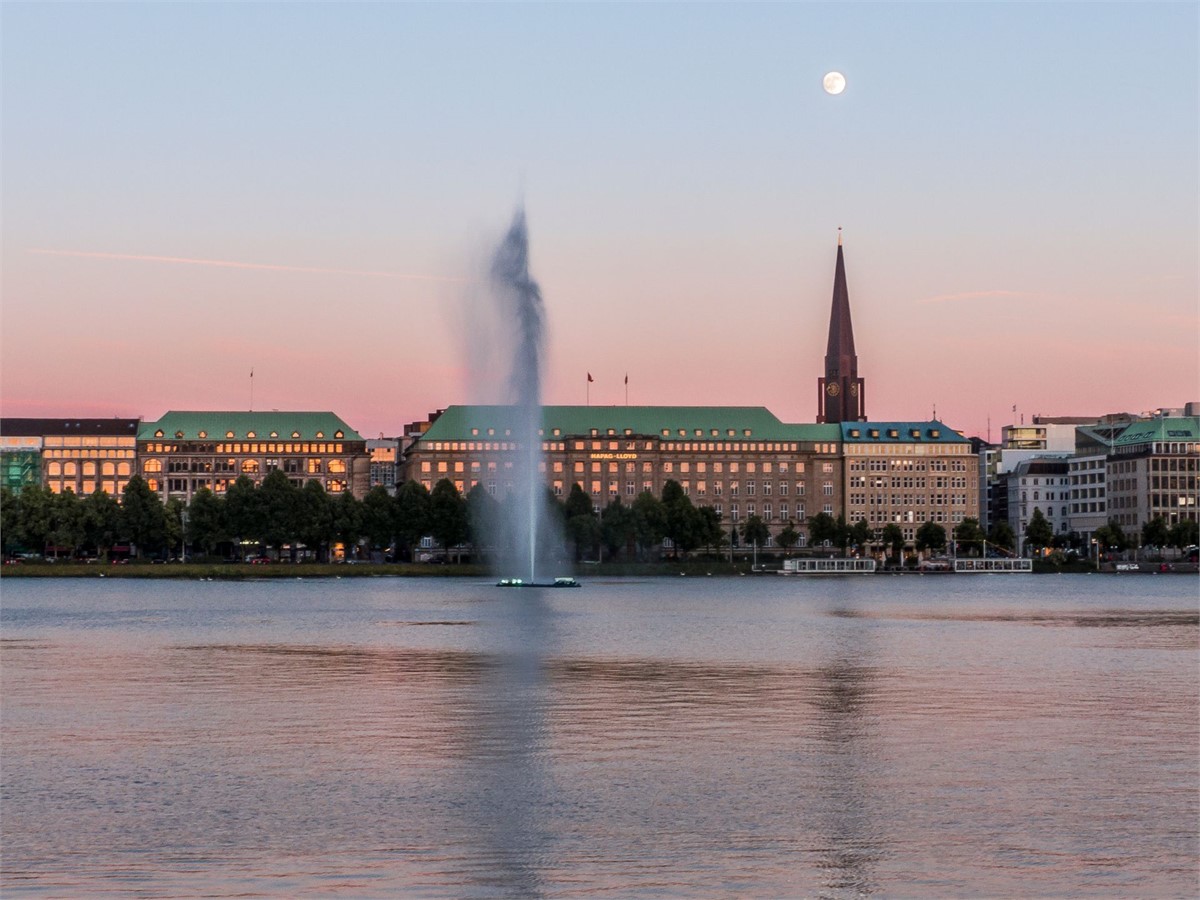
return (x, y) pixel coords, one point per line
(192, 193)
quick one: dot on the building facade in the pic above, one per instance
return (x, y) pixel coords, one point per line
(1041, 483)
(69, 454)
(184, 452)
(1152, 471)
(907, 474)
(741, 461)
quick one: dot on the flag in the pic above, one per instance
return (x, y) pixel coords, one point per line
(627, 378)
(590, 378)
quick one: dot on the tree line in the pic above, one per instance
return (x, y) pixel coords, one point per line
(276, 514)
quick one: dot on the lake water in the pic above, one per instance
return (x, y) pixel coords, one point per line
(950, 736)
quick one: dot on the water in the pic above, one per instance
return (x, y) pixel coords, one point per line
(520, 300)
(996, 736)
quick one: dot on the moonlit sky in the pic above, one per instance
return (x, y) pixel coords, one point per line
(192, 191)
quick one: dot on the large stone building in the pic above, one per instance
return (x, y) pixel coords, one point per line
(741, 461)
(1152, 471)
(68, 453)
(185, 451)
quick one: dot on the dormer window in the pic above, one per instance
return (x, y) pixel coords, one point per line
(338, 435)
(158, 433)
(854, 432)
(251, 434)
(203, 434)
(229, 434)
(295, 435)
(320, 434)
(274, 434)
(874, 432)
(935, 433)
(893, 433)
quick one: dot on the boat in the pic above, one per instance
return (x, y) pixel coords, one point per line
(827, 566)
(563, 581)
(1002, 565)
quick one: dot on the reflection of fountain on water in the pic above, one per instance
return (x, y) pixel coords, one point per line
(524, 513)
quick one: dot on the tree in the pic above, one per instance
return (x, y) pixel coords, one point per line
(206, 521)
(893, 537)
(711, 533)
(822, 528)
(314, 514)
(755, 532)
(1039, 533)
(9, 519)
(447, 515)
(969, 533)
(412, 514)
(1111, 537)
(483, 517)
(66, 522)
(34, 517)
(143, 518)
(861, 534)
(788, 537)
(379, 518)
(683, 524)
(618, 527)
(243, 513)
(346, 521)
(173, 528)
(931, 536)
(1156, 533)
(1185, 533)
(582, 527)
(1002, 535)
(277, 507)
(650, 521)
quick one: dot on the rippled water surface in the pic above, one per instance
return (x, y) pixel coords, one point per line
(751, 737)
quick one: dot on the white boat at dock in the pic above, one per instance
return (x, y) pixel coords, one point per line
(815, 566)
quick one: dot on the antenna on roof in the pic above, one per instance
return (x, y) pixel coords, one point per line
(839, 235)
(252, 389)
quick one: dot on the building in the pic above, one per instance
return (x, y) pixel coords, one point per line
(1088, 473)
(841, 393)
(1041, 483)
(741, 461)
(183, 452)
(385, 453)
(1152, 471)
(69, 454)
(908, 473)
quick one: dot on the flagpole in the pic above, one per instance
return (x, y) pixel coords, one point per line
(626, 388)
(251, 390)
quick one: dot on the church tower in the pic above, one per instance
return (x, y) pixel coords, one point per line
(840, 393)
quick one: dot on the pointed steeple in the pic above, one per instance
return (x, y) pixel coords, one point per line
(841, 390)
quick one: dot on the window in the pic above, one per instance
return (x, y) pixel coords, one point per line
(250, 467)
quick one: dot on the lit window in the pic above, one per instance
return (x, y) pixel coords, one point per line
(158, 433)
(251, 434)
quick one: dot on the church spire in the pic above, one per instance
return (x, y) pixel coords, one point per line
(841, 390)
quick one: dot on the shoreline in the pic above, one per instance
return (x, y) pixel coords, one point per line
(696, 568)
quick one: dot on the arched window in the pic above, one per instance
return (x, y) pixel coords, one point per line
(123, 469)
(336, 486)
(152, 465)
(108, 469)
(54, 469)
(337, 466)
(89, 469)
(69, 469)
(250, 467)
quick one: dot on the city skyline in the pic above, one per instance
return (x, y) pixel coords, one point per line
(193, 193)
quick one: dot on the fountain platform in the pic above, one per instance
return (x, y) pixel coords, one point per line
(564, 581)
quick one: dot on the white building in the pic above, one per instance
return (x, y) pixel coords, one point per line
(1041, 483)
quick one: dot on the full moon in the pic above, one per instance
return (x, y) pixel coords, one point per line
(834, 83)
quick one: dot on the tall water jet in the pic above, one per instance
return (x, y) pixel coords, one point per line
(521, 301)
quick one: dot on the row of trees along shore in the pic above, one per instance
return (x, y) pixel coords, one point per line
(277, 514)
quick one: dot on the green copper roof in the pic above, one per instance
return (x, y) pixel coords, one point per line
(725, 423)
(216, 425)
(1180, 428)
(932, 432)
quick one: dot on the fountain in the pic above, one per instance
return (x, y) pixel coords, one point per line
(525, 512)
